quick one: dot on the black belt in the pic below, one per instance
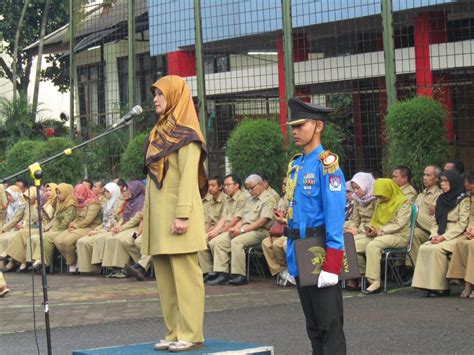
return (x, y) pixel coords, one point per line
(294, 234)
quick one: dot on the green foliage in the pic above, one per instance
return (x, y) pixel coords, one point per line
(102, 157)
(29, 33)
(15, 119)
(256, 146)
(25, 152)
(416, 135)
(131, 164)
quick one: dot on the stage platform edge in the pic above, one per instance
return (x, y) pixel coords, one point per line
(211, 346)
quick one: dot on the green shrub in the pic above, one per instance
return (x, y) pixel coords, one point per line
(416, 136)
(131, 164)
(102, 157)
(25, 152)
(256, 146)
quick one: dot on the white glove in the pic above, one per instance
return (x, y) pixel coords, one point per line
(327, 279)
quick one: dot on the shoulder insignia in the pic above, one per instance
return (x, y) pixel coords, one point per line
(330, 162)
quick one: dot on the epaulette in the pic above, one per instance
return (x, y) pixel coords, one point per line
(330, 162)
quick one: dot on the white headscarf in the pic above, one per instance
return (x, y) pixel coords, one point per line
(366, 183)
(114, 190)
(18, 202)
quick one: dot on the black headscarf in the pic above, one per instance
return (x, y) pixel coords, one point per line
(448, 200)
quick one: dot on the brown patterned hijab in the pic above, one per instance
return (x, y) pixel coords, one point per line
(176, 127)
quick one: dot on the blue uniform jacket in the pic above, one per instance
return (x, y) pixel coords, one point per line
(319, 199)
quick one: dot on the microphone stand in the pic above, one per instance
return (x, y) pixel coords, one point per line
(36, 173)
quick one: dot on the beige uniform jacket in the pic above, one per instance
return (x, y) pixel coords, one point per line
(213, 210)
(361, 216)
(234, 205)
(471, 215)
(458, 219)
(400, 224)
(17, 217)
(273, 194)
(62, 219)
(409, 191)
(282, 204)
(259, 207)
(89, 216)
(179, 197)
(425, 201)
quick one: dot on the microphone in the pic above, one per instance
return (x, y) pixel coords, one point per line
(127, 117)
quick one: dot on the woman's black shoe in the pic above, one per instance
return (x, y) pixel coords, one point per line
(436, 294)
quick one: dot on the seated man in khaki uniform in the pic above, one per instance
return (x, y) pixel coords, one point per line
(274, 247)
(402, 177)
(213, 209)
(252, 229)
(231, 215)
(426, 202)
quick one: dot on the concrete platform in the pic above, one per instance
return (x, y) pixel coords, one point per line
(211, 346)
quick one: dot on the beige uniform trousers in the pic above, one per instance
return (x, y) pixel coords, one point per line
(85, 248)
(181, 293)
(274, 250)
(99, 247)
(66, 243)
(373, 252)
(114, 254)
(432, 266)
(361, 241)
(48, 243)
(19, 248)
(231, 250)
(3, 283)
(5, 240)
(462, 261)
(420, 237)
(205, 257)
(133, 249)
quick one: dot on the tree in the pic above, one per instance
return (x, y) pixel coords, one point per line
(29, 33)
(416, 135)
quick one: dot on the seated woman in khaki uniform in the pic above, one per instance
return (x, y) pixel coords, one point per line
(389, 228)
(452, 216)
(88, 217)
(19, 248)
(105, 249)
(364, 203)
(64, 214)
(85, 245)
(30, 218)
(14, 215)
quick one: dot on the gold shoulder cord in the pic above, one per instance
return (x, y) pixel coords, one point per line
(291, 185)
(330, 162)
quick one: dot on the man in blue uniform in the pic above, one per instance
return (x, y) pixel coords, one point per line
(317, 197)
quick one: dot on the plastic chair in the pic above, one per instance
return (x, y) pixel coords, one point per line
(391, 255)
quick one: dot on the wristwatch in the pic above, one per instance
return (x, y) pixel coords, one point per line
(242, 230)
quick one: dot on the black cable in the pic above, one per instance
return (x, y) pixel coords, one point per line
(32, 271)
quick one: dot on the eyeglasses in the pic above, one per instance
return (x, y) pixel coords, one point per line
(251, 187)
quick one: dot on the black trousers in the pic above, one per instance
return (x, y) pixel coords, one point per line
(324, 315)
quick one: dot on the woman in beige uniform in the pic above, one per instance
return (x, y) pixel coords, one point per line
(174, 229)
(64, 214)
(85, 245)
(389, 228)
(30, 219)
(20, 248)
(88, 217)
(452, 215)
(364, 203)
